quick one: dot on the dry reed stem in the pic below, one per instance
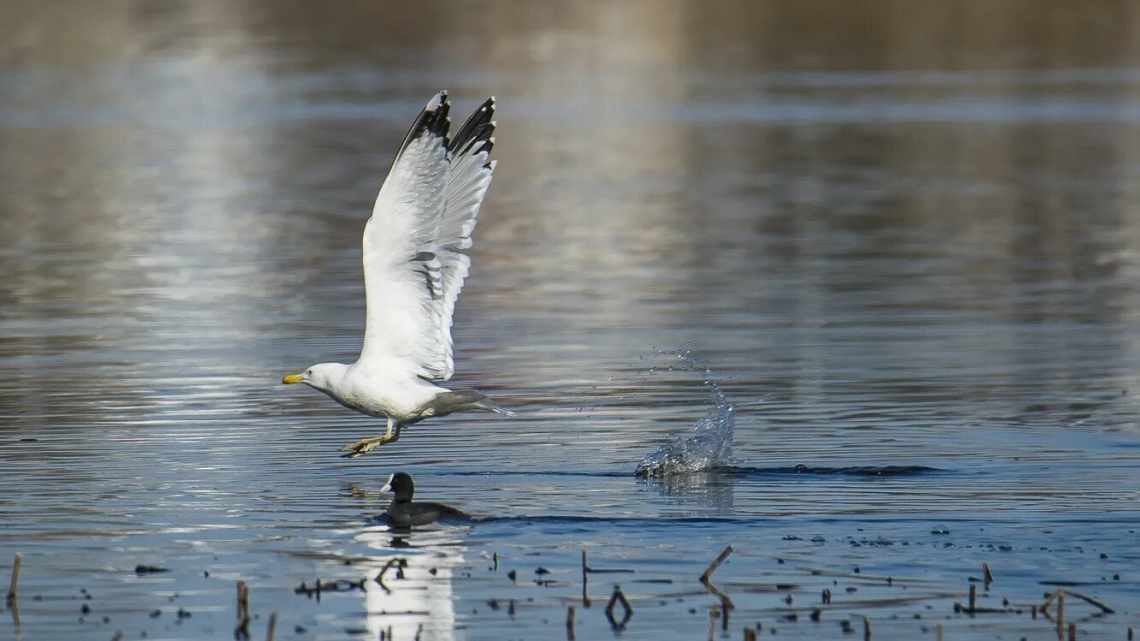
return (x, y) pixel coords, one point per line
(14, 583)
(242, 629)
(585, 580)
(716, 563)
(1060, 614)
(725, 602)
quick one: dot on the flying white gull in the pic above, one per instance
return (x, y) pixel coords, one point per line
(414, 266)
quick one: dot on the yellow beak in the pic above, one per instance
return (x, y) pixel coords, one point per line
(289, 379)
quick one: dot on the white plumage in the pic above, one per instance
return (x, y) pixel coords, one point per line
(414, 268)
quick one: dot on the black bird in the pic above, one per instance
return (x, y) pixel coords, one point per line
(404, 513)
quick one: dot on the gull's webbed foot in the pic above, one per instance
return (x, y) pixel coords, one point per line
(366, 445)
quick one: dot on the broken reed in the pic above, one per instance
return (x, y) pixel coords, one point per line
(585, 580)
(726, 603)
(14, 583)
(1064, 630)
(242, 629)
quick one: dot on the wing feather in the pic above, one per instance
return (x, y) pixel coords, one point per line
(414, 260)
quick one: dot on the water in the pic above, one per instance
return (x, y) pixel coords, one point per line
(902, 240)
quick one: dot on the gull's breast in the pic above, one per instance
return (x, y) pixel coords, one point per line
(361, 402)
(377, 396)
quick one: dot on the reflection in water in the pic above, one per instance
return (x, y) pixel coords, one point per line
(704, 492)
(415, 600)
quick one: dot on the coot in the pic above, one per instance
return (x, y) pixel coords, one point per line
(403, 512)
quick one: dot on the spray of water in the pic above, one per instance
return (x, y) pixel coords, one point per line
(708, 445)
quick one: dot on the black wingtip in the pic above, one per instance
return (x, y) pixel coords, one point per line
(438, 122)
(478, 127)
(432, 119)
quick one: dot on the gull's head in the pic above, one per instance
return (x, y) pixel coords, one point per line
(401, 484)
(321, 376)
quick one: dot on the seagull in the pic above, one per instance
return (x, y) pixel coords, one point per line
(414, 267)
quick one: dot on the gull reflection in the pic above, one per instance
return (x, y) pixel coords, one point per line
(413, 597)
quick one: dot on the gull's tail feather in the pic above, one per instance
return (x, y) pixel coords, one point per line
(466, 400)
(502, 410)
(488, 405)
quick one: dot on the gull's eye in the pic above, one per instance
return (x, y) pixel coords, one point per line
(308, 372)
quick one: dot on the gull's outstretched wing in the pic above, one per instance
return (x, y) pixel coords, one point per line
(414, 260)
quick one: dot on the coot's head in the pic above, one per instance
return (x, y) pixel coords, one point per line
(401, 484)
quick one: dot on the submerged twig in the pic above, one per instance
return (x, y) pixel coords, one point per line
(272, 626)
(1059, 595)
(618, 597)
(141, 569)
(587, 568)
(1088, 599)
(987, 576)
(339, 585)
(570, 623)
(396, 562)
(14, 608)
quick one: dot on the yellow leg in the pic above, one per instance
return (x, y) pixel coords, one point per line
(366, 445)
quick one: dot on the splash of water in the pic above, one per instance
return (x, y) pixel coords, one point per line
(708, 445)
